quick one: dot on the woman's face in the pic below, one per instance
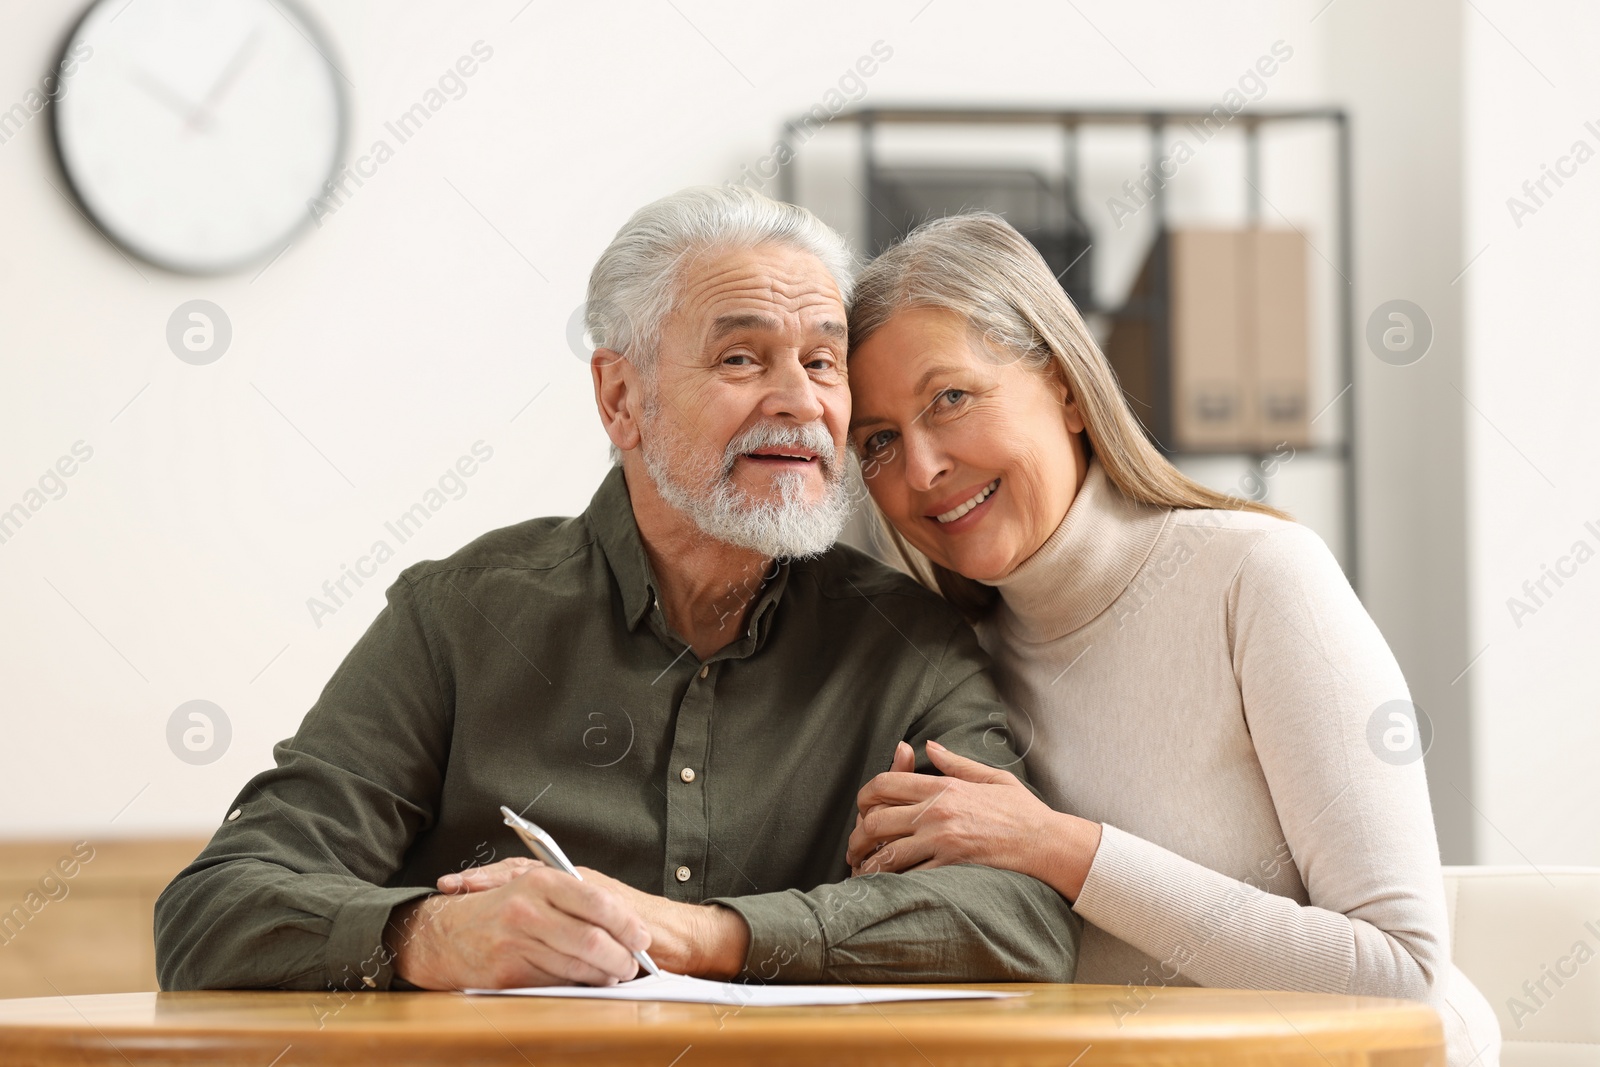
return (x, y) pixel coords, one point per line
(973, 456)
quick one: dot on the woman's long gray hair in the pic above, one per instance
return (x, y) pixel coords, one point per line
(979, 267)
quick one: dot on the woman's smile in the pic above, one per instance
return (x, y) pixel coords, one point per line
(965, 514)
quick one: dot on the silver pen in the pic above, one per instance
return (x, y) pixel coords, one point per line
(547, 852)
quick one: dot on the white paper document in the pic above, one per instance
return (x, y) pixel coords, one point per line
(686, 990)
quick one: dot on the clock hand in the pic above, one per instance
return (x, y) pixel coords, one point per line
(162, 93)
(201, 117)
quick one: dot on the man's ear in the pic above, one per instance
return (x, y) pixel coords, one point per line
(618, 396)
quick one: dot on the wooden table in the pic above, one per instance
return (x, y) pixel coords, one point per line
(1059, 1025)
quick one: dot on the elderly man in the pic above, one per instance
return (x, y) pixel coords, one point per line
(686, 685)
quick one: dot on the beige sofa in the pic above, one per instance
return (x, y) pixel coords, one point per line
(1530, 940)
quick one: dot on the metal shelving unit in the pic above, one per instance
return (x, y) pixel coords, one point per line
(1158, 122)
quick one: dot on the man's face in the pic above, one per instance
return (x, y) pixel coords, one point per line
(750, 402)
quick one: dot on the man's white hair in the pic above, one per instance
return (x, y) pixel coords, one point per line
(635, 284)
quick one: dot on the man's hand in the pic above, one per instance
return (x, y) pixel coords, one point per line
(973, 814)
(540, 927)
(703, 940)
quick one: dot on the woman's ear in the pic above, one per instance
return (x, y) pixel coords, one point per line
(1075, 421)
(1069, 402)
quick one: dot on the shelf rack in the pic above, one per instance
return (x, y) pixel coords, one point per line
(1158, 122)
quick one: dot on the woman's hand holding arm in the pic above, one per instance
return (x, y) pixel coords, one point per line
(974, 814)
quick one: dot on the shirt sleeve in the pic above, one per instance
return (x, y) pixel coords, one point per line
(291, 892)
(958, 923)
(1313, 673)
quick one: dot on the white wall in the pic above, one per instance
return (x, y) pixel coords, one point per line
(406, 328)
(1530, 89)
(1398, 68)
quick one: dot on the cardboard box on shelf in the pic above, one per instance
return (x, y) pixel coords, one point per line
(1281, 341)
(1212, 345)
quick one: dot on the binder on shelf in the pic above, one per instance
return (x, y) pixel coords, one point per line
(1212, 346)
(1282, 338)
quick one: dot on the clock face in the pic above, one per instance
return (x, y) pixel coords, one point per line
(195, 132)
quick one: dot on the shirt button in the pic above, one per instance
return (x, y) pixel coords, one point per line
(705, 670)
(235, 813)
(683, 874)
(687, 774)
(369, 982)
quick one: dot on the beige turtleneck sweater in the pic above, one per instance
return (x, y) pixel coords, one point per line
(1201, 682)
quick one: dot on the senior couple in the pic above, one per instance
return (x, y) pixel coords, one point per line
(1113, 729)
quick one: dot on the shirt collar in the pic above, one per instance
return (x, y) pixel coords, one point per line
(610, 515)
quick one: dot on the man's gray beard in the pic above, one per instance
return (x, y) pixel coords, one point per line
(790, 528)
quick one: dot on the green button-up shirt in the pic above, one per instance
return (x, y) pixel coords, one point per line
(534, 668)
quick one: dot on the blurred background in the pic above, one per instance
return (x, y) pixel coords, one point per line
(1339, 251)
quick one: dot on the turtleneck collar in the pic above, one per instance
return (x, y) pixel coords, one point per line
(1084, 565)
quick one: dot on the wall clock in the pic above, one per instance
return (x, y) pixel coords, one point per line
(195, 132)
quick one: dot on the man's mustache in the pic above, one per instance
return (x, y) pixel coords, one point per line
(811, 436)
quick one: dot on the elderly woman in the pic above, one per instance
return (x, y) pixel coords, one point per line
(1191, 673)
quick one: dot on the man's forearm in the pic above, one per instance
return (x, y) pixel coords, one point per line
(249, 924)
(960, 923)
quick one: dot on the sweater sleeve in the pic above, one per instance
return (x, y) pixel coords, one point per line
(1313, 673)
